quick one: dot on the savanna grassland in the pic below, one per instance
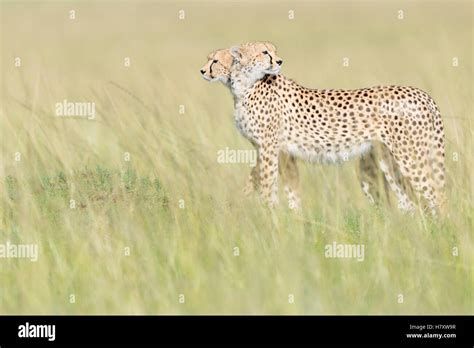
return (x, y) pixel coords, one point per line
(133, 213)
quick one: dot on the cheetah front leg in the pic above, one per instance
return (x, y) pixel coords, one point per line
(290, 178)
(253, 178)
(268, 172)
(288, 171)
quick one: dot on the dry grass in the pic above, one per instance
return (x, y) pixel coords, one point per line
(135, 204)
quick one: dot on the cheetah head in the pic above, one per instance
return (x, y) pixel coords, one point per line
(218, 66)
(257, 58)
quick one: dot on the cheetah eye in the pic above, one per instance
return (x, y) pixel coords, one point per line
(265, 52)
(214, 61)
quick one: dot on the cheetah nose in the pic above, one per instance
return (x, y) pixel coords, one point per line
(202, 71)
(279, 62)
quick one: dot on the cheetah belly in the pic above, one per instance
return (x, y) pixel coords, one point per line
(323, 155)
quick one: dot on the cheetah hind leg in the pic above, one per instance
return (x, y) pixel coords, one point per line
(422, 183)
(405, 203)
(369, 177)
(372, 179)
(418, 174)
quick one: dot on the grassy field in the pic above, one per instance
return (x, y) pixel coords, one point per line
(155, 219)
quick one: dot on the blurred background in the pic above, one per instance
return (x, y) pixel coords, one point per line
(158, 225)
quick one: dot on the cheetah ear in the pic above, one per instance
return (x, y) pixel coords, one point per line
(236, 53)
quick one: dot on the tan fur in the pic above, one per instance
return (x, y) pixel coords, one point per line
(221, 62)
(218, 66)
(278, 115)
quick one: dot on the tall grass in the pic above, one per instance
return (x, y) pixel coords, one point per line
(180, 213)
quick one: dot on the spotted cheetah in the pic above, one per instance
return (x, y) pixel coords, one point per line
(329, 125)
(218, 69)
(276, 114)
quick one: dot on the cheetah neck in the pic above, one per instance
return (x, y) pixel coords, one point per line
(242, 79)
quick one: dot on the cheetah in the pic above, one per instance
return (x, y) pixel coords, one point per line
(329, 125)
(218, 69)
(278, 115)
